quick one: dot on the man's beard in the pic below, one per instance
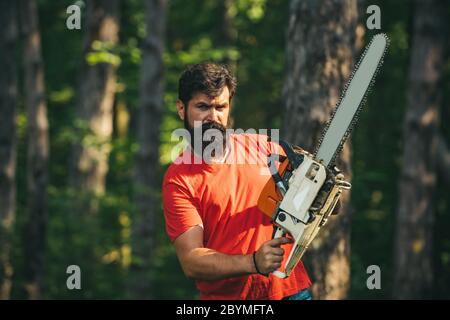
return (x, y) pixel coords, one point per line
(217, 151)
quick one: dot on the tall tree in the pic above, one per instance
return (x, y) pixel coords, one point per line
(38, 150)
(228, 32)
(443, 159)
(147, 159)
(321, 42)
(96, 97)
(414, 230)
(8, 102)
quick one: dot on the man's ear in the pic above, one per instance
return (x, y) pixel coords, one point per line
(180, 109)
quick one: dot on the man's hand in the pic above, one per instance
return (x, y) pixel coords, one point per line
(269, 256)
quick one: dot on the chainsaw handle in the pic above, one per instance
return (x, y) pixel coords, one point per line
(278, 233)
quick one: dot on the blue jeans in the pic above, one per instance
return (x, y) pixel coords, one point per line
(301, 295)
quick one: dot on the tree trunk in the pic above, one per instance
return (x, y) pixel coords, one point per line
(413, 243)
(38, 150)
(96, 97)
(228, 34)
(8, 102)
(321, 44)
(443, 159)
(147, 160)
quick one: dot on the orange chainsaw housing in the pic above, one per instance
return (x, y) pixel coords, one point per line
(270, 197)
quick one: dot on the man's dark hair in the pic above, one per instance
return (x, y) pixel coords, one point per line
(207, 78)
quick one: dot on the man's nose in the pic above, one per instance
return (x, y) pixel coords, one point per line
(213, 115)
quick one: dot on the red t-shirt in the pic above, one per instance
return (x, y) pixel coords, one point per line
(222, 197)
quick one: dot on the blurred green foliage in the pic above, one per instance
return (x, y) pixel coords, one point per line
(100, 244)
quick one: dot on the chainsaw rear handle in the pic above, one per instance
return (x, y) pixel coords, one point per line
(278, 233)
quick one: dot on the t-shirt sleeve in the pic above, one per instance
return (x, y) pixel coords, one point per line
(180, 211)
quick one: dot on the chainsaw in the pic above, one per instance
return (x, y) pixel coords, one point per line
(304, 191)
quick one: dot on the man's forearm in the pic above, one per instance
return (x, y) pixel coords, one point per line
(207, 264)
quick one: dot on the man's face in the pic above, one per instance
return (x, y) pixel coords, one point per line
(206, 109)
